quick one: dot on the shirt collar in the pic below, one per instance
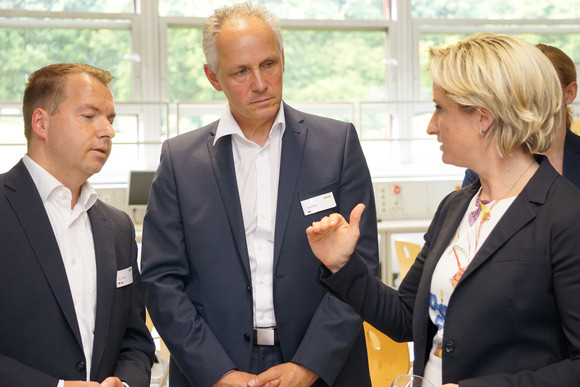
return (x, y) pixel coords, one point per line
(228, 126)
(47, 184)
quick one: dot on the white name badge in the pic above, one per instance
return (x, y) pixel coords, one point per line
(125, 277)
(318, 203)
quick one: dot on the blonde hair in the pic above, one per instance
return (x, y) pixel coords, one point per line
(509, 77)
(214, 23)
(46, 88)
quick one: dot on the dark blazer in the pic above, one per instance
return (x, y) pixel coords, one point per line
(514, 317)
(40, 340)
(196, 266)
(572, 158)
(571, 163)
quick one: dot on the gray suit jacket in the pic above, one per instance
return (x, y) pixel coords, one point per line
(40, 340)
(196, 266)
(514, 317)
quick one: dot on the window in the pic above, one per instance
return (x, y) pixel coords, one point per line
(317, 66)
(364, 61)
(495, 9)
(32, 37)
(288, 9)
(113, 6)
(25, 49)
(12, 140)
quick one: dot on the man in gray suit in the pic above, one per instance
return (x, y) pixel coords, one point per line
(72, 311)
(230, 280)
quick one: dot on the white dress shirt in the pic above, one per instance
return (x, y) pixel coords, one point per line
(257, 174)
(74, 236)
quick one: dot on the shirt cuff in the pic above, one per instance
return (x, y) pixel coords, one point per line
(60, 383)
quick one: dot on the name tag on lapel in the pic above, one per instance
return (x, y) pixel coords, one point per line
(318, 203)
(125, 277)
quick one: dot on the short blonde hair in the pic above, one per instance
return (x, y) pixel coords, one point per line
(509, 77)
(46, 88)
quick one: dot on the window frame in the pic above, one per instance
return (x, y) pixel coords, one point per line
(150, 69)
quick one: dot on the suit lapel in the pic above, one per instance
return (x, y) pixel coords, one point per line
(106, 264)
(292, 149)
(223, 165)
(517, 216)
(521, 212)
(25, 200)
(222, 161)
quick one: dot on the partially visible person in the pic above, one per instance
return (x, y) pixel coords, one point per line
(564, 154)
(229, 276)
(492, 298)
(72, 311)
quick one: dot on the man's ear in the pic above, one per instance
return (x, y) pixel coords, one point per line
(212, 77)
(40, 122)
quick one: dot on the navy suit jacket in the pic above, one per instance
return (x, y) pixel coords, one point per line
(514, 317)
(195, 263)
(571, 163)
(40, 340)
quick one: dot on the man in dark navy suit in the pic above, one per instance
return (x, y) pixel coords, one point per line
(71, 311)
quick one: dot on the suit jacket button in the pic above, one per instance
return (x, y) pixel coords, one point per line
(246, 338)
(449, 347)
(249, 288)
(80, 367)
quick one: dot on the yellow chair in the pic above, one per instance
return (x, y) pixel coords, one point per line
(576, 127)
(387, 358)
(406, 253)
(160, 377)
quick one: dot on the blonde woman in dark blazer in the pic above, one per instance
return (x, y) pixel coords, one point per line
(492, 299)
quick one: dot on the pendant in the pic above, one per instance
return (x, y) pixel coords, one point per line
(485, 216)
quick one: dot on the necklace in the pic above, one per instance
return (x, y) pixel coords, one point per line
(485, 210)
(483, 213)
(483, 204)
(512, 186)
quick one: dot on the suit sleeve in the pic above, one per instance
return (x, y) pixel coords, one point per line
(137, 349)
(16, 374)
(335, 326)
(165, 272)
(387, 309)
(470, 177)
(392, 312)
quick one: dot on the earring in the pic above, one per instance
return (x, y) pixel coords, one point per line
(481, 131)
